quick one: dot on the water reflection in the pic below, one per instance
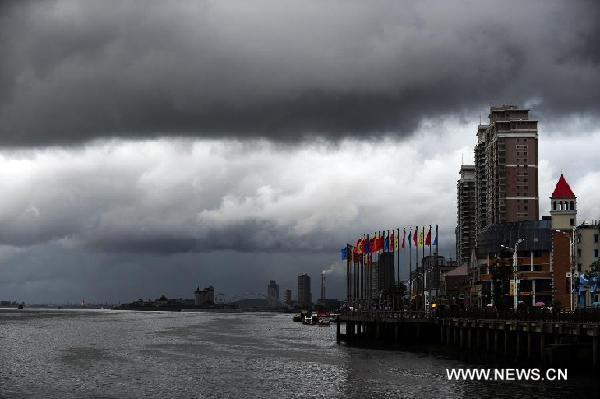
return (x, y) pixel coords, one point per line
(146, 354)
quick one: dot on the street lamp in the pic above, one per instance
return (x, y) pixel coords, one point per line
(571, 271)
(515, 269)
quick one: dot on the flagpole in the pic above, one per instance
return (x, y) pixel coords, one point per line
(360, 270)
(409, 270)
(348, 255)
(355, 268)
(430, 283)
(354, 259)
(423, 265)
(398, 266)
(397, 260)
(417, 265)
(366, 272)
(359, 273)
(437, 253)
(369, 268)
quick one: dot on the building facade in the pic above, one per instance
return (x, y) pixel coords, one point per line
(552, 267)
(587, 245)
(480, 183)
(506, 168)
(493, 274)
(288, 297)
(304, 291)
(465, 226)
(273, 293)
(204, 297)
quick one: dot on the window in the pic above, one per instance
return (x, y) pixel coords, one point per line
(572, 222)
(595, 237)
(595, 253)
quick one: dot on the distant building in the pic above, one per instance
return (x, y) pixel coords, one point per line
(465, 226)
(385, 273)
(204, 297)
(435, 267)
(456, 285)
(288, 297)
(331, 305)
(273, 293)
(304, 292)
(587, 245)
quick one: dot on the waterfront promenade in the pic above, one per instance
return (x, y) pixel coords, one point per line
(546, 338)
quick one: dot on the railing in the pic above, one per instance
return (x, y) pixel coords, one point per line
(389, 314)
(578, 316)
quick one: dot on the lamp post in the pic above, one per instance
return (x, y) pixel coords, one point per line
(515, 270)
(571, 271)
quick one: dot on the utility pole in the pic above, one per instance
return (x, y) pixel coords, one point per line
(515, 270)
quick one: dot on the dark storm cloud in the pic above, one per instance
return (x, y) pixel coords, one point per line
(71, 71)
(247, 236)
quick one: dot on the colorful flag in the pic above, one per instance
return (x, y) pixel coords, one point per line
(410, 239)
(366, 246)
(360, 247)
(386, 244)
(436, 235)
(421, 241)
(379, 243)
(344, 253)
(428, 238)
(393, 244)
(416, 237)
(403, 239)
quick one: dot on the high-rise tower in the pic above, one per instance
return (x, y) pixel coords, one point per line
(506, 168)
(465, 226)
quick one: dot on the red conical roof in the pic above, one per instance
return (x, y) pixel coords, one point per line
(563, 190)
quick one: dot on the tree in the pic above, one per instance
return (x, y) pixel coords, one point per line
(594, 270)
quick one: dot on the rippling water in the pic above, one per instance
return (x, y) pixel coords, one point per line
(120, 354)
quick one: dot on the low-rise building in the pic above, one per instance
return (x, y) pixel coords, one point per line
(204, 297)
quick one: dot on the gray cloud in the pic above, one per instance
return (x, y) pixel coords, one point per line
(163, 197)
(74, 71)
(123, 219)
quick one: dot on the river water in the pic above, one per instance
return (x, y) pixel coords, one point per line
(123, 354)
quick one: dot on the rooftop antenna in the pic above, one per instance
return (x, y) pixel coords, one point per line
(462, 158)
(480, 118)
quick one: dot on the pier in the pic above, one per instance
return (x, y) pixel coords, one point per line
(548, 339)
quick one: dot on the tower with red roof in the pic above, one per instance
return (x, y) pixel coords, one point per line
(564, 206)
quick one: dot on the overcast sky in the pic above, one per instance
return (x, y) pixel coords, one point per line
(147, 147)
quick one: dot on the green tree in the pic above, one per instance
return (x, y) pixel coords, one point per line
(594, 270)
